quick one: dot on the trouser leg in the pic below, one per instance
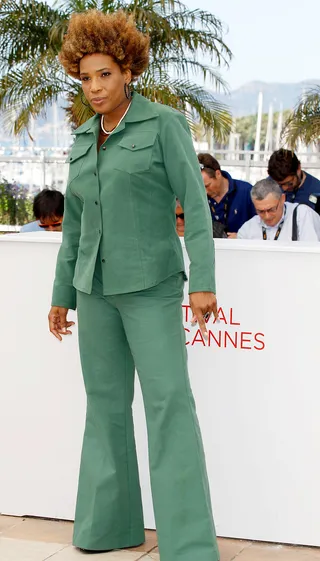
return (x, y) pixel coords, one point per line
(152, 321)
(109, 511)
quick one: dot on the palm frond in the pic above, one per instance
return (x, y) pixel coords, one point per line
(18, 117)
(28, 92)
(31, 34)
(184, 67)
(181, 31)
(203, 30)
(22, 82)
(304, 122)
(194, 101)
(77, 111)
(25, 30)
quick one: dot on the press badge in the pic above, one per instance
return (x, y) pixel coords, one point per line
(313, 199)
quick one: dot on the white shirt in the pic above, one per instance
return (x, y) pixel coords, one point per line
(31, 227)
(308, 222)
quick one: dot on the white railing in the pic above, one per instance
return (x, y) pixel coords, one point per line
(36, 171)
(9, 229)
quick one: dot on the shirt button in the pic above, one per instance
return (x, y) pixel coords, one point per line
(94, 173)
(103, 147)
(133, 145)
(103, 260)
(96, 202)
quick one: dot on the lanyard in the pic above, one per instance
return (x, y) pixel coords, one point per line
(278, 232)
(225, 210)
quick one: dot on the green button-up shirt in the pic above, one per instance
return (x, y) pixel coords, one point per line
(120, 207)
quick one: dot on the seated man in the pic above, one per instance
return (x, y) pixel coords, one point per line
(179, 219)
(298, 185)
(180, 224)
(274, 218)
(48, 209)
(229, 199)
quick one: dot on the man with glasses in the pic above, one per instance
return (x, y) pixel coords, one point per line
(274, 219)
(48, 209)
(298, 185)
(229, 199)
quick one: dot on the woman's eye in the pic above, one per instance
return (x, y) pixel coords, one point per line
(105, 73)
(84, 79)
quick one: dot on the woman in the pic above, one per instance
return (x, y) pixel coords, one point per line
(121, 265)
(229, 199)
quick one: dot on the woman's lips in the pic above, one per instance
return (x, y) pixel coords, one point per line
(98, 100)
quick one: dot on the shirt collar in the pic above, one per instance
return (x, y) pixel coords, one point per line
(141, 110)
(232, 183)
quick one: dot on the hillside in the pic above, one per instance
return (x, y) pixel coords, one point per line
(243, 101)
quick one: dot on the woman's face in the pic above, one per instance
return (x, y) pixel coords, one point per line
(103, 82)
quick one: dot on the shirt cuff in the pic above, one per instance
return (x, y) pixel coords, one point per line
(64, 297)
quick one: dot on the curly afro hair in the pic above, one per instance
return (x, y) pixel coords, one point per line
(113, 34)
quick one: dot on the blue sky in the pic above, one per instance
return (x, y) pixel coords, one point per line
(272, 41)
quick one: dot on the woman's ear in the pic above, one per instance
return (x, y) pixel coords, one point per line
(127, 76)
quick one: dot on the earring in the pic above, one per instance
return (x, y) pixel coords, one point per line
(84, 101)
(127, 91)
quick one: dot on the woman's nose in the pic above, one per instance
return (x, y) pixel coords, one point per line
(95, 85)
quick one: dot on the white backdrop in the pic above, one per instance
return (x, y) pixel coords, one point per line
(257, 388)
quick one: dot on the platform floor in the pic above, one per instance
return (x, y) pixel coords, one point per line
(35, 539)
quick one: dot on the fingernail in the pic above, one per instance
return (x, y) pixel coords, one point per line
(205, 335)
(64, 329)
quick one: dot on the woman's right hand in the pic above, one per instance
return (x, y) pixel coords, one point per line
(58, 323)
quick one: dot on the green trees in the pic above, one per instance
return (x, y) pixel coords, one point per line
(246, 126)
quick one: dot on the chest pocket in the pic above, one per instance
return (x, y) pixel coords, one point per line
(76, 160)
(135, 152)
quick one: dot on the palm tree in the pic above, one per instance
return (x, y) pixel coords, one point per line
(304, 122)
(31, 34)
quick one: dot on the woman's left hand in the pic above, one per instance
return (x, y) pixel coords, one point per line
(203, 303)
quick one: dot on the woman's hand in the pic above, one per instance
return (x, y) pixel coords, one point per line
(58, 323)
(203, 304)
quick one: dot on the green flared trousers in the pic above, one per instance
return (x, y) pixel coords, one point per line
(117, 334)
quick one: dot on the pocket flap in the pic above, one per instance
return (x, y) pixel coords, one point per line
(77, 151)
(138, 141)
